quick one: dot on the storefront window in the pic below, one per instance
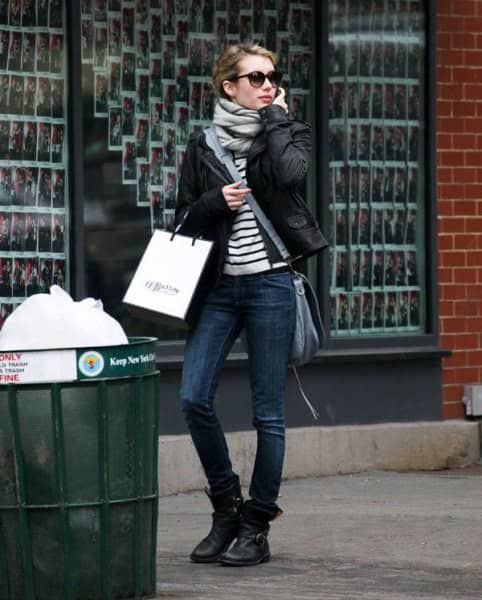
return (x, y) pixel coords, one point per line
(146, 87)
(34, 216)
(376, 160)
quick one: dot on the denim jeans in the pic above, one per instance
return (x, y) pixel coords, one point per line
(264, 306)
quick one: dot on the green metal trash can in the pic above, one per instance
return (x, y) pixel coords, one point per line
(78, 473)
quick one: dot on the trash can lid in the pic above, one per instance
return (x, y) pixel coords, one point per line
(136, 358)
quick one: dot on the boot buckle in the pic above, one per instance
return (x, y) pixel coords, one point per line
(260, 538)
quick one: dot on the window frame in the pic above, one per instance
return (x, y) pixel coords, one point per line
(170, 351)
(321, 152)
(76, 148)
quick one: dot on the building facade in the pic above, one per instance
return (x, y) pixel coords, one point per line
(99, 97)
(459, 184)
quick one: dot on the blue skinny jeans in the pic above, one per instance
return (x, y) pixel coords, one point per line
(264, 306)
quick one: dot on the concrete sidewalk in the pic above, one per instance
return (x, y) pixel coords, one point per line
(373, 536)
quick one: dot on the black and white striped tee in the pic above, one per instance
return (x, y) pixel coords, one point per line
(246, 253)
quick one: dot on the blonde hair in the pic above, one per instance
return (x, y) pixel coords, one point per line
(226, 67)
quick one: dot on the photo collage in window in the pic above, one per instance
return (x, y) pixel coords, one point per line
(33, 150)
(376, 166)
(152, 63)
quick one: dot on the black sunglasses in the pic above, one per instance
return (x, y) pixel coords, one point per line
(257, 78)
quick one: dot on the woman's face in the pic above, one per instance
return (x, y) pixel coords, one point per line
(243, 93)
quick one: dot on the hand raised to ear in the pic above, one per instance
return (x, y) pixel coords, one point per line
(280, 99)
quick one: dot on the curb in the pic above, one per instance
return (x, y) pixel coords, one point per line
(318, 451)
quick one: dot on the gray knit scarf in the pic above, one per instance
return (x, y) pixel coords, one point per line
(235, 125)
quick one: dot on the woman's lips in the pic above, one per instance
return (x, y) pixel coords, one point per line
(266, 98)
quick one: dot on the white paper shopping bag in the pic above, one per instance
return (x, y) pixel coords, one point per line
(166, 279)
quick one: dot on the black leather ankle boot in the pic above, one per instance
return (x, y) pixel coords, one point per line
(227, 508)
(251, 546)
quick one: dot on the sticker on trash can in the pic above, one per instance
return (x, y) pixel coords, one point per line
(37, 367)
(118, 361)
(91, 363)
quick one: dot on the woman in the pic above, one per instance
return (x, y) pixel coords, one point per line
(246, 286)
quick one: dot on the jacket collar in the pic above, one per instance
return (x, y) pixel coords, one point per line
(258, 146)
(208, 157)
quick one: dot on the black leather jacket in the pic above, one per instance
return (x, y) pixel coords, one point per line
(276, 170)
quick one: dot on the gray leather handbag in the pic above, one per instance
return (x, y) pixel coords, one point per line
(309, 333)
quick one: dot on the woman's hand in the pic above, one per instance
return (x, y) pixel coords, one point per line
(280, 99)
(234, 196)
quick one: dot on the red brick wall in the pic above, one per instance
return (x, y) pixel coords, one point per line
(459, 188)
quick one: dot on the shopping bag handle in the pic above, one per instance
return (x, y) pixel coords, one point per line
(178, 227)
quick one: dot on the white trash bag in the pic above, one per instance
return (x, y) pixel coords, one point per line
(54, 320)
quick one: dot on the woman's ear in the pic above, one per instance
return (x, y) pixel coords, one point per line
(229, 88)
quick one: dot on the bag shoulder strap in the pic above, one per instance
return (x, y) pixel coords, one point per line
(225, 157)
